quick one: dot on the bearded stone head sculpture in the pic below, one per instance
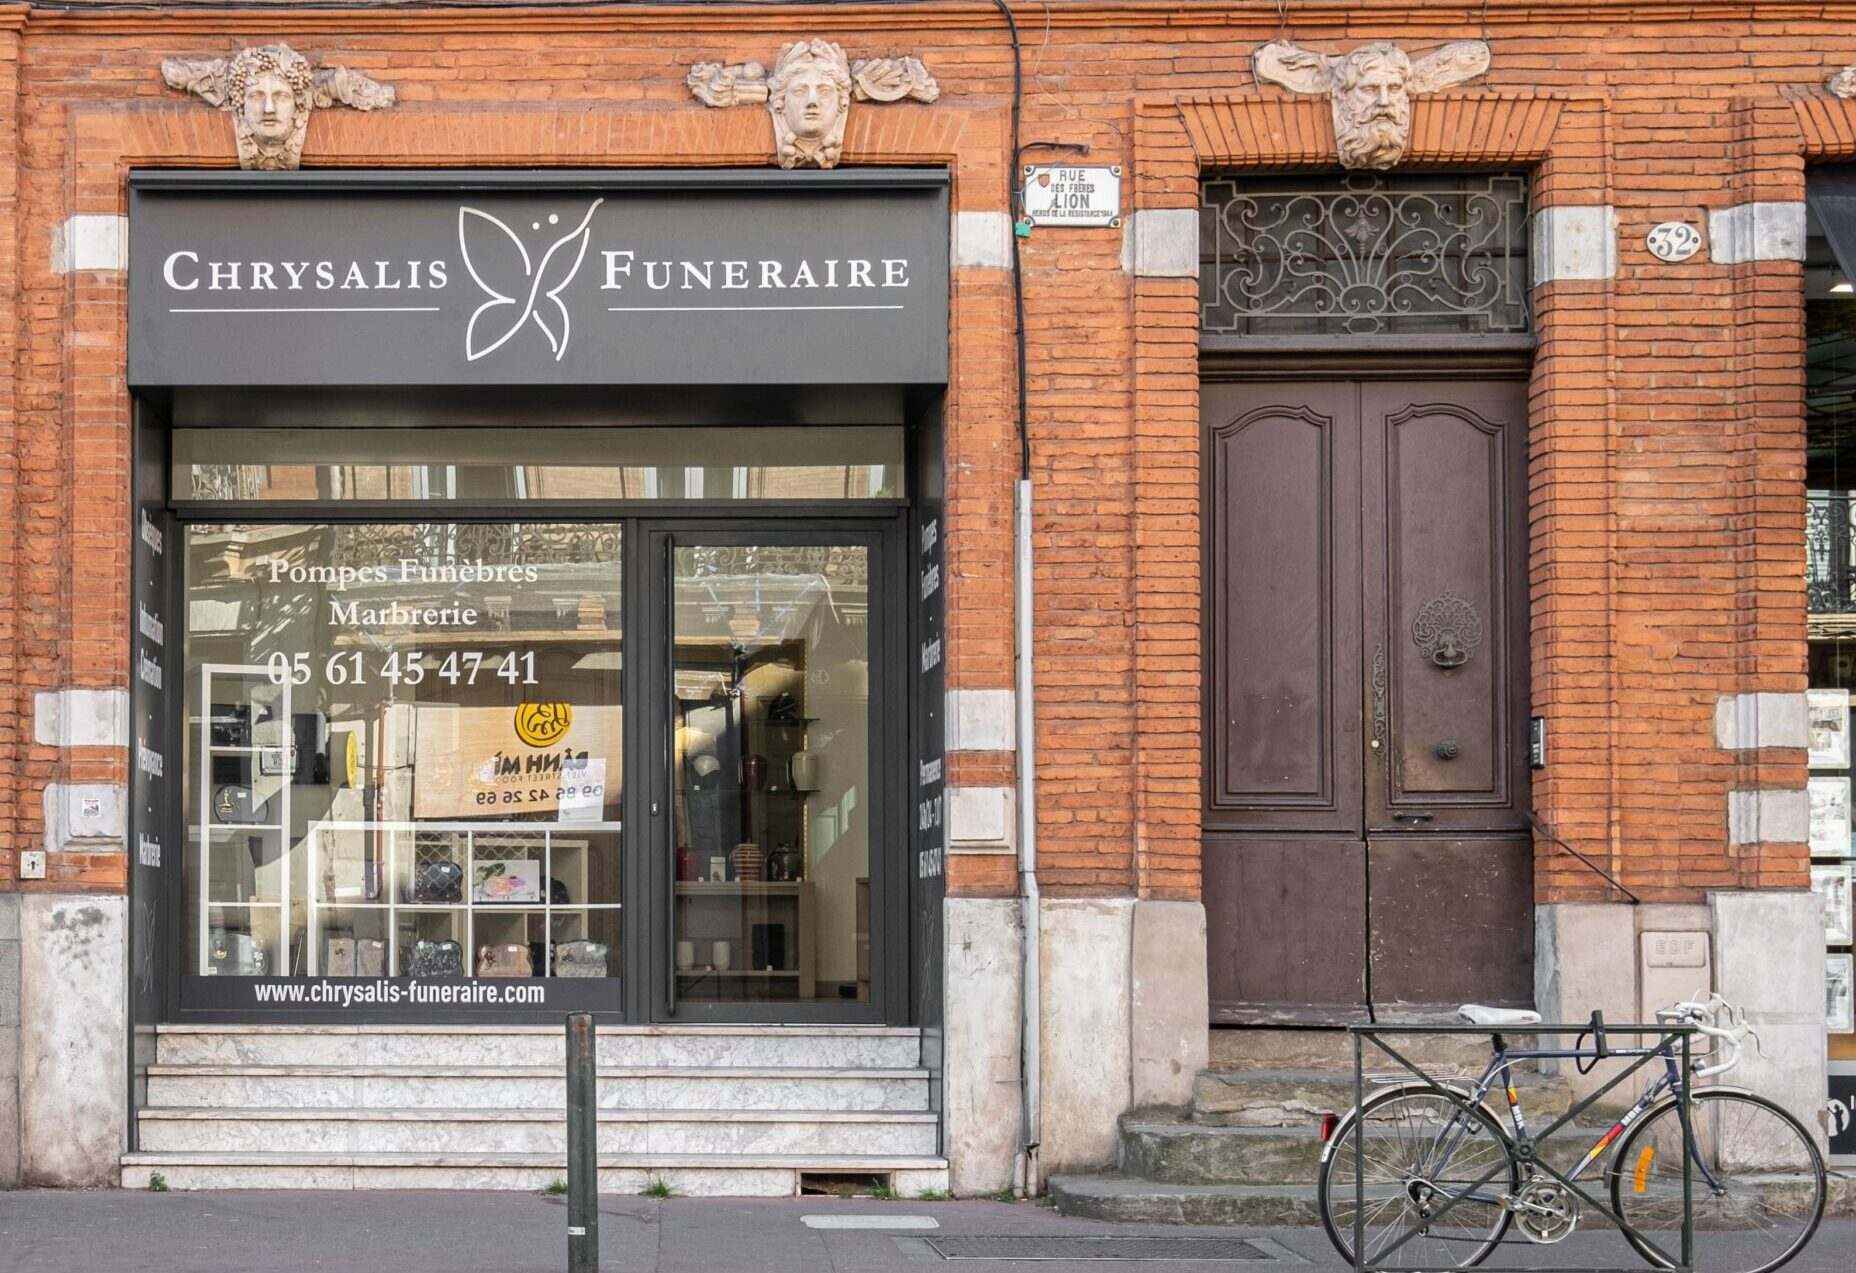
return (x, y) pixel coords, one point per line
(809, 94)
(270, 90)
(1370, 89)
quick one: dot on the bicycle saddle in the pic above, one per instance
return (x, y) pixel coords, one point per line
(1476, 1014)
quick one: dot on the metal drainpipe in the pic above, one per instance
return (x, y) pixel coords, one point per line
(1030, 1024)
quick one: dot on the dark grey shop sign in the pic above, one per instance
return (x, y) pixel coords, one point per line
(538, 278)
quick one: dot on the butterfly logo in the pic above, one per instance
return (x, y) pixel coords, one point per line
(492, 250)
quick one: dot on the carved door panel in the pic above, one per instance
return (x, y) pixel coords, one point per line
(1284, 854)
(1445, 604)
(1366, 691)
(1449, 861)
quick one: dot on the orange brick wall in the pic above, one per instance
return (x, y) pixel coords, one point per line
(1666, 502)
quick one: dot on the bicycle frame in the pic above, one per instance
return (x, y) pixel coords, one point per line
(1501, 1065)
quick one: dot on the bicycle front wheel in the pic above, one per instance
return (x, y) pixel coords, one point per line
(1757, 1184)
(1433, 1175)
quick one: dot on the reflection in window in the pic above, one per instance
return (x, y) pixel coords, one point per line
(403, 750)
(769, 463)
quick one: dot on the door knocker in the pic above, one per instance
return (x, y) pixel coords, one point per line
(1448, 630)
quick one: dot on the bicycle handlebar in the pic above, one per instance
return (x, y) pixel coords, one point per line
(1703, 1015)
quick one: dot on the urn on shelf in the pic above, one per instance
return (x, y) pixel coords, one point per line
(748, 858)
(805, 766)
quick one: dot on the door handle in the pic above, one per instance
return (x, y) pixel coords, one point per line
(1411, 817)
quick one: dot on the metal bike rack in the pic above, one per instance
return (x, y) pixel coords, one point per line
(1528, 1151)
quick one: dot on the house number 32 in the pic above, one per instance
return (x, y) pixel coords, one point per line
(1674, 241)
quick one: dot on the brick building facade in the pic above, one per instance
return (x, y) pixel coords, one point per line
(1666, 639)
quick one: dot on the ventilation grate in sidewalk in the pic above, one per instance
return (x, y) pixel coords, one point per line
(1061, 1247)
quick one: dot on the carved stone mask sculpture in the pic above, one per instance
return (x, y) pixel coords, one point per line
(1370, 89)
(809, 94)
(270, 90)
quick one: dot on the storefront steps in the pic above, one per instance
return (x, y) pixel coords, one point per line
(742, 1111)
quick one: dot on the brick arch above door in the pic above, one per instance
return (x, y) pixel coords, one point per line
(1562, 137)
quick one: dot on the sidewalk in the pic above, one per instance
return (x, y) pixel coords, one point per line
(119, 1232)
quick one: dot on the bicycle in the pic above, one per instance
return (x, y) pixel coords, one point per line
(1756, 1171)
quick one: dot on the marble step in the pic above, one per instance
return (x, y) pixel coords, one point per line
(691, 1175)
(1188, 1153)
(1121, 1199)
(1298, 1098)
(537, 1087)
(1242, 1048)
(843, 1047)
(536, 1131)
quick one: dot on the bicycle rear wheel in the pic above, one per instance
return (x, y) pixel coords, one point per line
(1767, 1194)
(1423, 1152)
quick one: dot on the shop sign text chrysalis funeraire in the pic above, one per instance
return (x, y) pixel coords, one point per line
(302, 281)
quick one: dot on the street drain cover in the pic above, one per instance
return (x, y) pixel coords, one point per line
(1057, 1247)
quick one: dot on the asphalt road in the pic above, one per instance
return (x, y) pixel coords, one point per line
(119, 1232)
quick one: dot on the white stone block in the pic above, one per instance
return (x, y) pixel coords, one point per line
(1746, 721)
(90, 815)
(1769, 960)
(983, 970)
(982, 240)
(980, 815)
(1585, 960)
(1085, 953)
(90, 241)
(1169, 1037)
(982, 720)
(1163, 242)
(1575, 241)
(81, 718)
(73, 1047)
(1768, 817)
(1758, 231)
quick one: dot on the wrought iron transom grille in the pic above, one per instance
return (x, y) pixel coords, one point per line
(1365, 254)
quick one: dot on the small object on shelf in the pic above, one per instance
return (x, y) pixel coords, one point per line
(338, 956)
(783, 709)
(581, 959)
(718, 869)
(508, 960)
(686, 862)
(722, 956)
(748, 861)
(754, 771)
(232, 954)
(785, 864)
(438, 883)
(806, 767)
(508, 882)
(558, 894)
(436, 959)
(686, 955)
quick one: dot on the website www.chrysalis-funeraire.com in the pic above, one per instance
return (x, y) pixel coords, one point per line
(344, 994)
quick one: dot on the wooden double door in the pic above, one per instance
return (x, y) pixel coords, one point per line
(1365, 837)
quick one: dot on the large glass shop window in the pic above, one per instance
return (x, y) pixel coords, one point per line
(403, 750)
(1830, 591)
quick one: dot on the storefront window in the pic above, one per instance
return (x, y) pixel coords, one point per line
(403, 751)
(1830, 589)
(763, 463)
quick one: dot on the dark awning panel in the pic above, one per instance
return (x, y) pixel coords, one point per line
(1831, 193)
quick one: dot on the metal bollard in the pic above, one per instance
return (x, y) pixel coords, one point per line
(582, 1145)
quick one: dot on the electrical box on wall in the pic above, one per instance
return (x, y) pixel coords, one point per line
(1537, 742)
(32, 864)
